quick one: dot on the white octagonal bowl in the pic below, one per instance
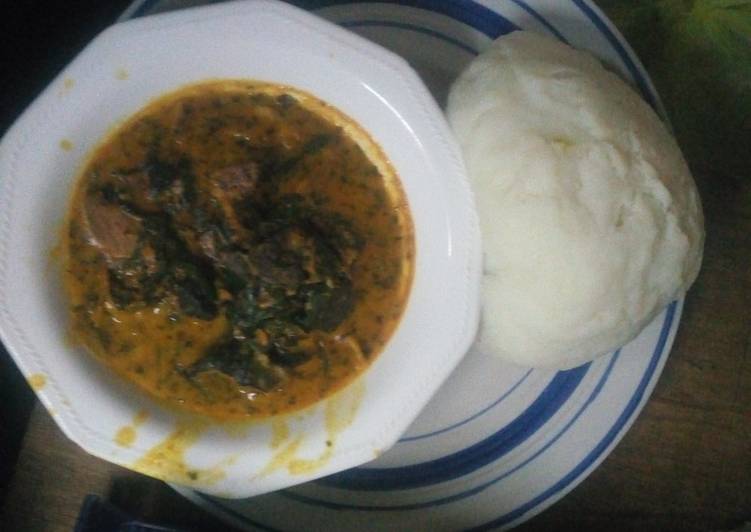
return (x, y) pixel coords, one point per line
(117, 74)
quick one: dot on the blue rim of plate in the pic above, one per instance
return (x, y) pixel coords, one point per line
(471, 458)
(492, 24)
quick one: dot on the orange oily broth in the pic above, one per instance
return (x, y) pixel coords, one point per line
(146, 344)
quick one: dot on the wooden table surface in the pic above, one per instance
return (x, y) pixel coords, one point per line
(685, 464)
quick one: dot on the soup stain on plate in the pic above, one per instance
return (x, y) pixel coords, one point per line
(283, 457)
(37, 381)
(279, 432)
(126, 435)
(339, 414)
(166, 460)
(67, 86)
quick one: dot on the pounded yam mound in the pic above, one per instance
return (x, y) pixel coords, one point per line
(591, 220)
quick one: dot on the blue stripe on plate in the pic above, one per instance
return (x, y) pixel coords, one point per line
(468, 493)
(615, 430)
(526, 7)
(472, 417)
(479, 17)
(409, 27)
(565, 481)
(616, 44)
(471, 458)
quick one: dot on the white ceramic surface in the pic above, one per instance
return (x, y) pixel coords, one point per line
(118, 73)
(498, 443)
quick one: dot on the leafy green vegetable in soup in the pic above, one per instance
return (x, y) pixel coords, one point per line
(233, 249)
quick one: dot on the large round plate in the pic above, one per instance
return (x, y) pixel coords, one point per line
(498, 443)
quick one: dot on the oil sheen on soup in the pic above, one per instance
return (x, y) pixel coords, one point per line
(238, 249)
